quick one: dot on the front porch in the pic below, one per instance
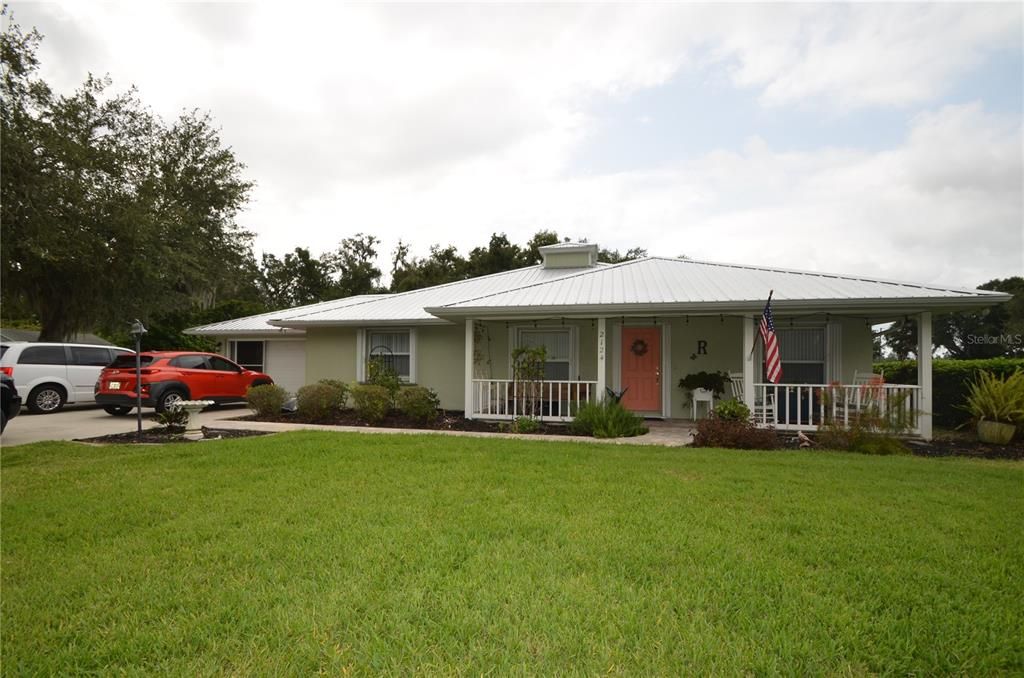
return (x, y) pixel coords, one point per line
(588, 357)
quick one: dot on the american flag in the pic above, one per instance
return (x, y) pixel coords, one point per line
(772, 361)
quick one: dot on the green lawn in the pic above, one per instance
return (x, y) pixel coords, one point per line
(308, 552)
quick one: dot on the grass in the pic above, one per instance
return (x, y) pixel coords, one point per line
(343, 553)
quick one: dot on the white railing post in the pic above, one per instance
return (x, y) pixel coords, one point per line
(924, 373)
(749, 397)
(468, 408)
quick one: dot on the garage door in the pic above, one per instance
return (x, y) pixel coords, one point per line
(286, 363)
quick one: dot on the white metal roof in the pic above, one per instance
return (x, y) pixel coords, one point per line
(258, 324)
(648, 285)
(408, 307)
(657, 283)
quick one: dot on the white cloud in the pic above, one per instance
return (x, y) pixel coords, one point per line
(445, 123)
(848, 56)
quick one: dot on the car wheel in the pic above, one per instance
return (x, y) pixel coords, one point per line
(3, 421)
(46, 399)
(117, 410)
(169, 397)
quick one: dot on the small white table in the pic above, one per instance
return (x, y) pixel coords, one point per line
(702, 395)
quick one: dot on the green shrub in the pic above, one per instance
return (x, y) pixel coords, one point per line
(418, 403)
(381, 374)
(873, 429)
(317, 402)
(342, 390)
(732, 410)
(951, 381)
(993, 398)
(859, 439)
(524, 425)
(266, 400)
(738, 434)
(174, 418)
(716, 382)
(607, 419)
(371, 402)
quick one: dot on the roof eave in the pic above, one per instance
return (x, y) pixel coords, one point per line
(901, 304)
(361, 322)
(271, 331)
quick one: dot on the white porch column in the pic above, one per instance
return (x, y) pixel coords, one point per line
(748, 362)
(468, 409)
(924, 372)
(602, 358)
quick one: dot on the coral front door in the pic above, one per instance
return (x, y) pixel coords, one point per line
(641, 368)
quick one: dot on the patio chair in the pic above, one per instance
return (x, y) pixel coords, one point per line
(870, 390)
(763, 410)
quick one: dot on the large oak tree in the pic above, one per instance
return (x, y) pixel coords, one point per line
(109, 213)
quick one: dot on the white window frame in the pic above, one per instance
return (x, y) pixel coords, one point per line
(362, 359)
(516, 331)
(232, 352)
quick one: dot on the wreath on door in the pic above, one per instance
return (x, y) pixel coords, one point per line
(639, 347)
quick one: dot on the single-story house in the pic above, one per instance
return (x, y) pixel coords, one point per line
(635, 328)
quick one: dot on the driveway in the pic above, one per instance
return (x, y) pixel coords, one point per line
(88, 422)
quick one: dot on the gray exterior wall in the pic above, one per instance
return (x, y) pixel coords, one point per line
(331, 354)
(441, 363)
(440, 355)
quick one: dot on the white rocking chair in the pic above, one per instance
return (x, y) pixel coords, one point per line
(762, 411)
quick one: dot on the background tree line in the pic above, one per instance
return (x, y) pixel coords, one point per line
(987, 333)
(111, 213)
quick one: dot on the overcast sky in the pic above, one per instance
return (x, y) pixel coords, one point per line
(882, 140)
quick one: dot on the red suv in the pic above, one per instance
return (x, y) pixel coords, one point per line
(170, 376)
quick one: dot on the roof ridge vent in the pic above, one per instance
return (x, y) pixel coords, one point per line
(569, 255)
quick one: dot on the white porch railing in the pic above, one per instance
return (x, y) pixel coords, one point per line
(545, 400)
(791, 407)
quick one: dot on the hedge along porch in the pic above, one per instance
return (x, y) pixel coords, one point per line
(689, 316)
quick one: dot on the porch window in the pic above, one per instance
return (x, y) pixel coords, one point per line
(394, 348)
(248, 354)
(557, 343)
(803, 354)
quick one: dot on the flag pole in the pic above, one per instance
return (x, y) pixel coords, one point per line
(754, 347)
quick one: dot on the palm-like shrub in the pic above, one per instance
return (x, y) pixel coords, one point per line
(993, 398)
(607, 419)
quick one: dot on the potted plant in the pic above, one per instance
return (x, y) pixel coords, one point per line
(997, 404)
(715, 382)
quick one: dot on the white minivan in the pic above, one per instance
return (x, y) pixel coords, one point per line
(48, 376)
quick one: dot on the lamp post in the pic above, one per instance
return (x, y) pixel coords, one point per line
(138, 329)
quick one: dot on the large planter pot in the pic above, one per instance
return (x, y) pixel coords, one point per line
(995, 432)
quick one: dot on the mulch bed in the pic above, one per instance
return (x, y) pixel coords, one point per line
(164, 435)
(449, 420)
(946, 444)
(965, 444)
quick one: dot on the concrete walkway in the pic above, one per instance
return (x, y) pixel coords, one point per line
(90, 422)
(669, 433)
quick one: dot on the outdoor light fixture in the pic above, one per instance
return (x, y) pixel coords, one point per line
(138, 329)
